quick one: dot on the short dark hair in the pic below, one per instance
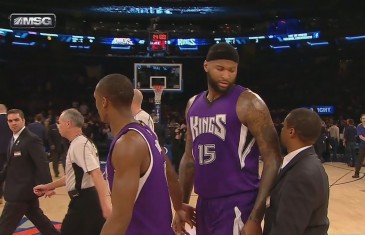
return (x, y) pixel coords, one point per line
(350, 121)
(15, 111)
(307, 124)
(117, 88)
(38, 117)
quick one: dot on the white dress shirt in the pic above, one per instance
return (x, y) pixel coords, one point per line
(15, 136)
(291, 155)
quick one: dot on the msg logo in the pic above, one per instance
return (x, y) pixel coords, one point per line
(32, 20)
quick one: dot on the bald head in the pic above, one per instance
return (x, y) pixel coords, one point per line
(3, 108)
(117, 88)
(137, 97)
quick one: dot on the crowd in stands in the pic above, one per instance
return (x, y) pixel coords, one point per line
(44, 87)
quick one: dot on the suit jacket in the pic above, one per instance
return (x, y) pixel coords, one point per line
(5, 134)
(55, 138)
(38, 129)
(26, 167)
(298, 203)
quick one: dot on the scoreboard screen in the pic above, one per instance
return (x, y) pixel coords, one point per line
(158, 41)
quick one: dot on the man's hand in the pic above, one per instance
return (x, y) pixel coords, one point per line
(187, 214)
(40, 190)
(43, 190)
(50, 193)
(251, 228)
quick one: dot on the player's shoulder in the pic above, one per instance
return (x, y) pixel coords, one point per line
(192, 99)
(191, 102)
(248, 98)
(248, 93)
(132, 144)
(132, 138)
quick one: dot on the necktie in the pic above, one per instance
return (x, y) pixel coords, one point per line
(11, 143)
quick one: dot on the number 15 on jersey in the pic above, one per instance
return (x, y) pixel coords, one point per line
(207, 153)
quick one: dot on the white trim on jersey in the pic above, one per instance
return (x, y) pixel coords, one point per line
(187, 122)
(241, 145)
(144, 178)
(237, 223)
(242, 153)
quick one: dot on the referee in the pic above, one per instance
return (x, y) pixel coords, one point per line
(89, 205)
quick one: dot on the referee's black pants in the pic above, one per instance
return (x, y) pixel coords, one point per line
(84, 215)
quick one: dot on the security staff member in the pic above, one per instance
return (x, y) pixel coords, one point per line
(89, 205)
(25, 167)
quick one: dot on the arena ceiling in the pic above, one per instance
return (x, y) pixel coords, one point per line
(333, 17)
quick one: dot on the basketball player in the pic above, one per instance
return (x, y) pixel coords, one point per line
(137, 111)
(136, 167)
(229, 128)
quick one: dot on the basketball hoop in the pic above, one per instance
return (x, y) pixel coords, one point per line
(158, 89)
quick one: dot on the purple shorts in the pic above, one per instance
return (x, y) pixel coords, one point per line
(224, 215)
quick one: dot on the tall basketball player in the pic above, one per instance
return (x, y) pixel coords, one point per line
(229, 128)
(136, 167)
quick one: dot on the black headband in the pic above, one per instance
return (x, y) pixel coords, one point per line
(222, 51)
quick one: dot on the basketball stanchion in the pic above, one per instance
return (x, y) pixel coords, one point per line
(158, 90)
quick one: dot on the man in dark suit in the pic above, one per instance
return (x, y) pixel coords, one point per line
(298, 203)
(38, 128)
(5, 136)
(26, 167)
(58, 147)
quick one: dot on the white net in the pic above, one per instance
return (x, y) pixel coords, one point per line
(158, 89)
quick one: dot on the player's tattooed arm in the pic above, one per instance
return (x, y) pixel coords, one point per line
(187, 167)
(253, 113)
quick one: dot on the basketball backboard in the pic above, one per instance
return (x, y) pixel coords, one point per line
(147, 75)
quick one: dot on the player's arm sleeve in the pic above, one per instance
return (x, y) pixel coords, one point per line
(253, 113)
(126, 159)
(36, 151)
(187, 164)
(294, 208)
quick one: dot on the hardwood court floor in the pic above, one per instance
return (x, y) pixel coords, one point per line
(346, 207)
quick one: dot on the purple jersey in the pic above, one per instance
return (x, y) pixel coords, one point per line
(152, 208)
(226, 154)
